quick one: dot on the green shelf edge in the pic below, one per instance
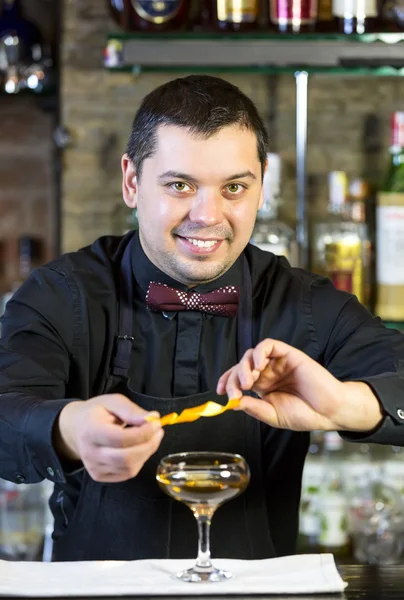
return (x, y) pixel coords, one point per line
(393, 325)
(267, 69)
(259, 35)
(264, 70)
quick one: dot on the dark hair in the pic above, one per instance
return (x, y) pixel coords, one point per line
(202, 103)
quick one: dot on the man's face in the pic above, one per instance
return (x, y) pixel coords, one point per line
(197, 201)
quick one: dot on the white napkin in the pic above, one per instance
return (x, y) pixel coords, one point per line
(300, 574)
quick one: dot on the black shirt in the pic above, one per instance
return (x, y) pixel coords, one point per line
(58, 336)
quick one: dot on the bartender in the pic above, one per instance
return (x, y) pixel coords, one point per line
(181, 312)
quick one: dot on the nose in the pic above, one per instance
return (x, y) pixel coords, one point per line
(207, 208)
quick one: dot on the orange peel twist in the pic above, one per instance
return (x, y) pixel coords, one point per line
(209, 409)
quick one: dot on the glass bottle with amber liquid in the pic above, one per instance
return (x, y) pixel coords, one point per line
(340, 244)
(325, 19)
(237, 15)
(390, 230)
(150, 15)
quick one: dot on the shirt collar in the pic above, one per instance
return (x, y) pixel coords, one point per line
(145, 271)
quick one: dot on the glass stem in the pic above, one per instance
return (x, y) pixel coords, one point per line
(203, 559)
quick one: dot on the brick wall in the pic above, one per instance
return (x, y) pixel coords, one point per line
(98, 109)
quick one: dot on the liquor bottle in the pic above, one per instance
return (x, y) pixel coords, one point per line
(375, 521)
(356, 16)
(293, 16)
(13, 22)
(339, 243)
(358, 462)
(237, 15)
(309, 521)
(361, 210)
(392, 470)
(325, 18)
(24, 59)
(332, 499)
(150, 15)
(393, 16)
(116, 10)
(390, 230)
(270, 234)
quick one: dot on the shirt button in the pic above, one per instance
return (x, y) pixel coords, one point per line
(50, 471)
(20, 478)
(400, 413)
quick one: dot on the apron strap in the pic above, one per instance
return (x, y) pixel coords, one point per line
(124, 341)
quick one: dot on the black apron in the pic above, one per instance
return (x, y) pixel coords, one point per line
(135, 519)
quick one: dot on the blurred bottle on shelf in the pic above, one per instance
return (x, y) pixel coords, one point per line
(393, 16)
(375, 521)
(309, 521)
(358, 462)
(116, 10)
(390, 230)
(269, 233)
(360, 210)
(325, 18)
(339, 243)
(332, 499)
(392, 471)
(293, 16)
(22, 520)
(356, 16)
(150, 15)
(237, 15)
(25, 58)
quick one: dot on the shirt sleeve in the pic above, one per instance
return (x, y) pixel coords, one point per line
(35, 348)
(355, 346)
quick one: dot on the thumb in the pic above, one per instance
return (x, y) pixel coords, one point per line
(125, 410)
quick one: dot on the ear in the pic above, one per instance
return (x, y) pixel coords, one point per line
(129, 182)
(261, 200)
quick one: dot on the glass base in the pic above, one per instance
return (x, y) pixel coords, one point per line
(201, 575)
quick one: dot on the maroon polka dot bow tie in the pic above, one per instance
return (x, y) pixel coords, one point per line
(223, 301)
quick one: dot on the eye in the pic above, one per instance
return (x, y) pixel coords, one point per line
(235, 188)
(180, 186)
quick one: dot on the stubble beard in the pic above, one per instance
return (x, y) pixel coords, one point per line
(194, 271)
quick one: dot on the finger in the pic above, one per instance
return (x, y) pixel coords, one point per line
(261, 410)
(262, 354)
(120, 406)
(115, 436)
(127, 460)
(233, 385)
(269, 349)
(221, 384)
(248, 375)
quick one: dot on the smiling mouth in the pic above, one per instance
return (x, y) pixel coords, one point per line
(200, 245)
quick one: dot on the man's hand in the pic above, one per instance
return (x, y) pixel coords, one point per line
(94, 432)
(297, 393)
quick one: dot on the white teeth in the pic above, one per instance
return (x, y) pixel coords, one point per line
(202, 244)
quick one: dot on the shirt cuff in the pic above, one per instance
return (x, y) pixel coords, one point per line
(38, 434)
(389, 389)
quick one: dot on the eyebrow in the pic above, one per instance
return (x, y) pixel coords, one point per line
(178, 175)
